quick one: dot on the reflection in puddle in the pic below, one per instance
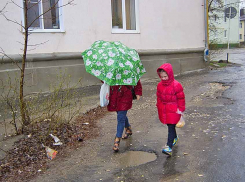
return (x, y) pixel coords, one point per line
(135, 158)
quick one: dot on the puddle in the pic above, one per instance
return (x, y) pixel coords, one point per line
(135, 158)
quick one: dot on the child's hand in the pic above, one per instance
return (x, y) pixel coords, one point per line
(138, 97)
(179, 112)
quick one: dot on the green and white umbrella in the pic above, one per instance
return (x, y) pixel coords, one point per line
(113, 63)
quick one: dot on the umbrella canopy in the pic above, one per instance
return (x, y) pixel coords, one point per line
(113, 62)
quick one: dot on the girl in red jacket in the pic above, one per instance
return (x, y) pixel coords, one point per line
(120, 100)
(170, 103)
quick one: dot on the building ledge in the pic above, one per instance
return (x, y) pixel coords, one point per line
(76, 55)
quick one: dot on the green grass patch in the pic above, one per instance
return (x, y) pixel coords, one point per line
(222, 46)
(217, 64)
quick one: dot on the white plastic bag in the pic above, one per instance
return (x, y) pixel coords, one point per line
(181, 122)
(56, 140)
(104, 94)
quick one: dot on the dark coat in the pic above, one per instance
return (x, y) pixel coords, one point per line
(170, 97)
(121, 97)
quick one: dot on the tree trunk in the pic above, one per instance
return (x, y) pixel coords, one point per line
(23, 109)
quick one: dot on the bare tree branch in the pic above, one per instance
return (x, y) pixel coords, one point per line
(31, 45)
(31, 49)
(69, 3)
(17, 4)
(13, 21)
(1, 11)
(209, 4)
(39, 43)
(5, 55)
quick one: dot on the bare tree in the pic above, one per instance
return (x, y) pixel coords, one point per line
(214, 5)
(215, 14)
(27, 7)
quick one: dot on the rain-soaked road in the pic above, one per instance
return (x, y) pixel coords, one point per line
(211, 146)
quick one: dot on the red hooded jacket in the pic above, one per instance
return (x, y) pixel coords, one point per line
(170, 97)
(121, 97)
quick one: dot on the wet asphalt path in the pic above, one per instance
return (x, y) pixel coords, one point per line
(211, 146)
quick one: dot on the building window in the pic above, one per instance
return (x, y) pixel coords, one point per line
(225, 33)
(124, 16)
(44, 15)
(240, 25)
(240, 36)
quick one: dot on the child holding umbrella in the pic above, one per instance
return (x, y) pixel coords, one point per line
(120, 100)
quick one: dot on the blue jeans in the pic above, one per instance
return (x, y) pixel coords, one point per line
(171, 134)
(122, 122)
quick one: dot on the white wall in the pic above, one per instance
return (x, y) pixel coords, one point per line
(163, 24)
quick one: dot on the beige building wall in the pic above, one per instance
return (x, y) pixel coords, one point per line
(162, 25)
(169, 31)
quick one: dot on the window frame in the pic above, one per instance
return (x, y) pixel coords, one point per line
(124, 30)
(42, 30)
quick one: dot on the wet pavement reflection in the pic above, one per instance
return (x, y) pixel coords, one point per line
(135, 158)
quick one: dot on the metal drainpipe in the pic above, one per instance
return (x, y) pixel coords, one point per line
(206, 51)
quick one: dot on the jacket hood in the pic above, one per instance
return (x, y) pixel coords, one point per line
(169, 70)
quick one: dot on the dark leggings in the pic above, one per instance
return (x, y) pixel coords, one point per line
(171, 134)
